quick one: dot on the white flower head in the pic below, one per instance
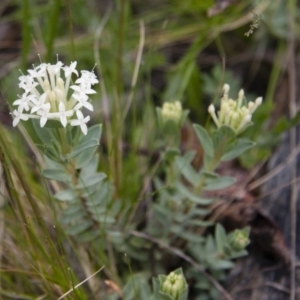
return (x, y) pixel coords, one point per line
(232, 112)
(47, 95)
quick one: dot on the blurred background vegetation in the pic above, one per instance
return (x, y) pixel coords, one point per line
(188, 49)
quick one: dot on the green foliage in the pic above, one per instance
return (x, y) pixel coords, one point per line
(217, 252)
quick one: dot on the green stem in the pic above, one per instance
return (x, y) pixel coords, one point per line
(117, 151)
(63, 141)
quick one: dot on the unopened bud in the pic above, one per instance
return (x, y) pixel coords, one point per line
(233, 113)
(174, 285)
(212, 111)
(240, 98)
(226, 88)
(240, 240)
(171, 111)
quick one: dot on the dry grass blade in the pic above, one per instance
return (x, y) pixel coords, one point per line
(79, 284)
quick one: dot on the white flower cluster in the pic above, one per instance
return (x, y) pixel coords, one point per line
(48, 96)
(233, 113)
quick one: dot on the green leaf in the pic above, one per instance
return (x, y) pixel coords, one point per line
(82, 147)
(76, 216)
(44, 134)
(91, 167)
(210, 175)
(238, 254)
(66, 195)
(201, 211)
(194, 198)
(205, 140)
(88, 236)
(72, 208)
(221, 238)
(183, 164)
(171, 153)
(51, 152)
(241, 146)
(59, 175)
(219, 183)
(210, 247)
(191, 237)
(84, 158)
(90, 180)
(94, 132)
(104, 219)
(53, 164)
(224, 139)
(222, 264)
(201, 223)
(79, 227)
(53, 124)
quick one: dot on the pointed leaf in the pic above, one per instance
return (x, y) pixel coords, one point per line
(219, 183)
(82, 147)
(183, 164)
(79, 227)
(91, 180)
(194, 198)
(59, 175)
(91, 167)
(84, 157)
(222, 264)
(221, 238)
(66, 195)
(88, 236)
(72, 218)
(241, 146)
(205, 140)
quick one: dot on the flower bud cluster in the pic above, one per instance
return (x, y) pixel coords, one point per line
(239, 239)
(48, 95)
(171, 111)
(174, 285)
(233, 113)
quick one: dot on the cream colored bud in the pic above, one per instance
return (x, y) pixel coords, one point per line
(52, 96)
(241, 94)
(212, 111)
(46, 85)
(240, 98)
(250, 106)
(60, 95)
(234, 120)
(226, 88)
(232, 112)
(171, 111)
(244, 123)
(258, 101)
(60, 84)
(227, 115)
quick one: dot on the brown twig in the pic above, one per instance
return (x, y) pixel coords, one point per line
(292, 109)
